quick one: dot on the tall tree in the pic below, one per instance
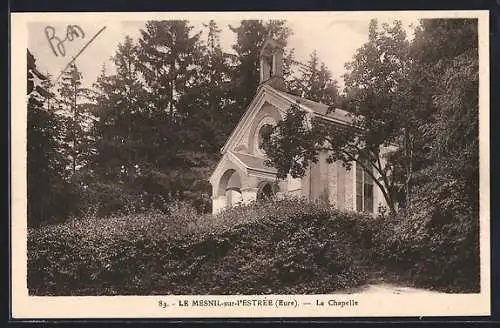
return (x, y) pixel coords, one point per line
(447, 49)
(167, 51)
(171, 59)
(315, 82)
(250, 37)
(73, 101)
(203, 105)
(373, 77)
(204, 114)
(445, 203)
(121, 107)
(46, 186)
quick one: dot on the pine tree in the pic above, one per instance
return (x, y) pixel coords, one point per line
(315, 82)
(206, 115)
(47, 189)
(73, 103)
(204, 103)
(121, 107)
(167, 52)
(251, 35)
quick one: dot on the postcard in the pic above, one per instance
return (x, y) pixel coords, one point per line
(250, 164)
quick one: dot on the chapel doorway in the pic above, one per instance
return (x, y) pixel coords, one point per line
(232, 188)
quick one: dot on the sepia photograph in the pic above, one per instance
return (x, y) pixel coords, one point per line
(228, 160)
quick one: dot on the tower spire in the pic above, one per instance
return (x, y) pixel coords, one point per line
(271, 64)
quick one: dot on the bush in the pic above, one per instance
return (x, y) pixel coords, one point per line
(109, 198)
(431, 248)
(281, 247)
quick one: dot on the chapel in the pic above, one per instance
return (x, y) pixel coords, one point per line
(241, 176)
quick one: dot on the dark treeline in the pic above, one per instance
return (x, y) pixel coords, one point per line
(149, 130)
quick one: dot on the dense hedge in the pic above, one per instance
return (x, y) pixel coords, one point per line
(282, 247)
(288, 246)
(431, 248)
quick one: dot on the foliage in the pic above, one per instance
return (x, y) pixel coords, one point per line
(49, 194)
(377, 120)
(404, 118)
(122, 140)
(156, 116)
(444, 217)
(453, 129)
(206, 120)
(283, 247)
(431, 248)
(315, 82)
(75, 117)
(166, 53)
(446, 201)
(277, 247)
(290, 144)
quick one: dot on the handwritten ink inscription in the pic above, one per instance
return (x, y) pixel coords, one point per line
(57, 44)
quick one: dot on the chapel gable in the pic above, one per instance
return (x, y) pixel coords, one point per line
(265, 117)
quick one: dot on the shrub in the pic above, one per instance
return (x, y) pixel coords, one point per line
(287, 246)
(109, 198)
(277, 247)
(431, 248)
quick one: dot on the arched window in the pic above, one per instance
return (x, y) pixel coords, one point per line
(265, 129)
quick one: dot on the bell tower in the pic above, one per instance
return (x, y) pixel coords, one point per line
(271, 64)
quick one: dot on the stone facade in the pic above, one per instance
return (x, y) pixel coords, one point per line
(332, 184)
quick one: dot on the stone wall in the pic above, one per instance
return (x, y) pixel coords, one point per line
(218, 204)
(293, 186)
(332, 184)
(315, 177)
(249, 194)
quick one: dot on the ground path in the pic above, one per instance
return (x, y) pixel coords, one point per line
(388, 288)
(379, 282)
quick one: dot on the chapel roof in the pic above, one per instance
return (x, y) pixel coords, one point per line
(336, 116)
(253, 162)
(318, 108)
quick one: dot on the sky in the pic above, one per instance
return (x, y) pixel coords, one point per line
(334, 37)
